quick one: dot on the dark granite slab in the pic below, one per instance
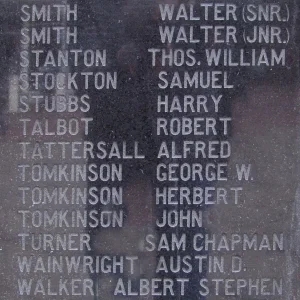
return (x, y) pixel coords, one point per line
(149, 150)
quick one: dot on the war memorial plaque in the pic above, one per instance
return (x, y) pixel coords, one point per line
(150, 150)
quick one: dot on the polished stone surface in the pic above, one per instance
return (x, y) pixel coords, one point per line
(149, 150)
